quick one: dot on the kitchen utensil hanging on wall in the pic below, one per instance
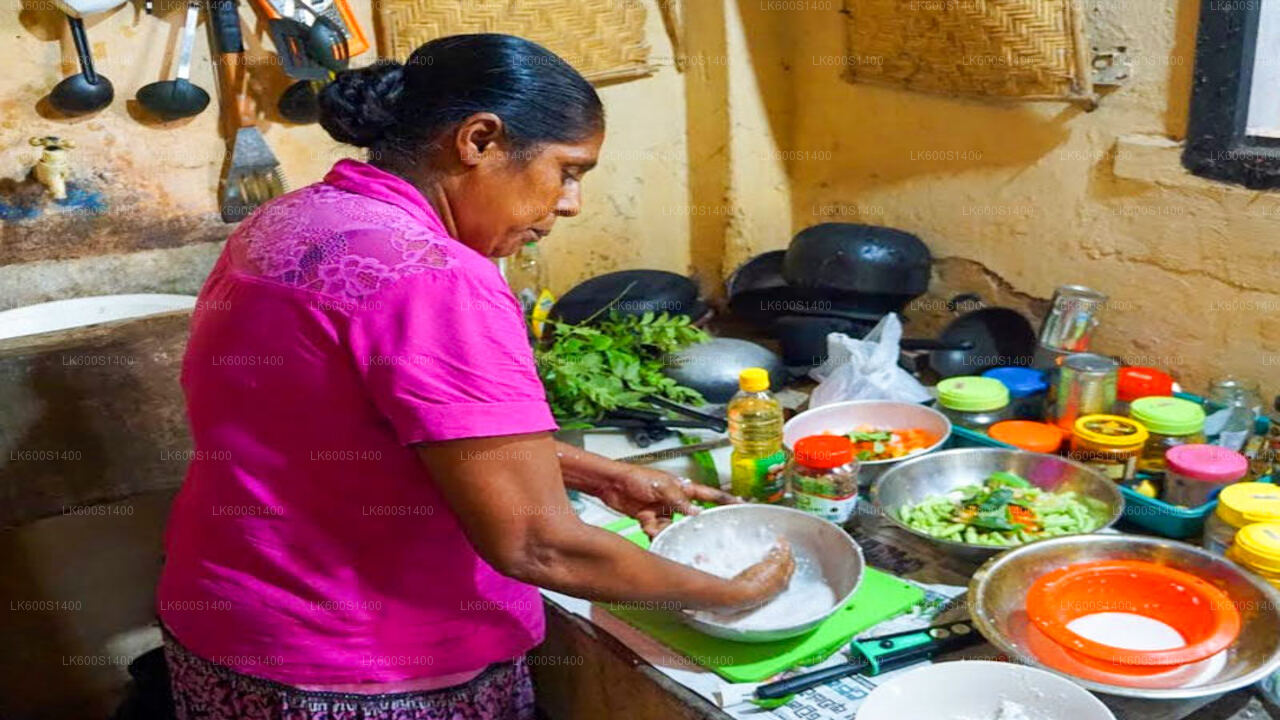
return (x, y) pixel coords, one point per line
(179, 97)
(337, 12)
(252, 175)
(87, 91)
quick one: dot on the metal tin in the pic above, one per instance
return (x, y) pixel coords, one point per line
(1086, 385)
(1072, 318)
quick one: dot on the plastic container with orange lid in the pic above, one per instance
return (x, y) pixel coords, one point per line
(823, 477)
(1134, 382)
(1110, 443)
(1028, 435)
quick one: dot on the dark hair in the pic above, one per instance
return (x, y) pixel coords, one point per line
(390, 107)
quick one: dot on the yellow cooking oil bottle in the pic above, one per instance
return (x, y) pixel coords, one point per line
(755, 430)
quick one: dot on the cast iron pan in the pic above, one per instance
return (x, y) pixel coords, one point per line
(865, 260)
(630, 292)
(998, 337)
(758, 293)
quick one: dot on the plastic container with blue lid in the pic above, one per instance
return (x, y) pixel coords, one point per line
(1027, 388)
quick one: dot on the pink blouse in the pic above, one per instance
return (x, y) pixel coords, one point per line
(308, 544)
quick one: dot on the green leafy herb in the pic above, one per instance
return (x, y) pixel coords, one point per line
(614, 362)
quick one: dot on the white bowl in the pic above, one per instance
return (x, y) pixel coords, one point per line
(974, 690)
(841, 418)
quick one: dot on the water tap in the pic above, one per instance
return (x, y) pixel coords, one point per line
(54, 167)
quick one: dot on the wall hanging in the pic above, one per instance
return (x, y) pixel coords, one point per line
(1010, 49)
(603, 39)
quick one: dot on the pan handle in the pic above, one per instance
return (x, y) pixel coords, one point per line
(931, 344)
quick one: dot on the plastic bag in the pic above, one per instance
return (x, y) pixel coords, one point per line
(866, 369)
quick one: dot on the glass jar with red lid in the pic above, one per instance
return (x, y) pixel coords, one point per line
(823, 477)
(1134, 382)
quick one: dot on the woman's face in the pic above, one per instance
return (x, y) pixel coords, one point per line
(508, 198)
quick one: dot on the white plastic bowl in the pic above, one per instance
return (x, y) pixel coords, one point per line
(974, 690)
(841, 418)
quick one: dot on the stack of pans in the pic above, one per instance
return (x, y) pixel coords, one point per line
(834, 277)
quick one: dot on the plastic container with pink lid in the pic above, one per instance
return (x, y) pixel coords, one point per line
(1195, 473)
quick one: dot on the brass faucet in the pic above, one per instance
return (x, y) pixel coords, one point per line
(54, 166)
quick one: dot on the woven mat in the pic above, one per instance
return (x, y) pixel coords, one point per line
(1021, 49)
(603, 39)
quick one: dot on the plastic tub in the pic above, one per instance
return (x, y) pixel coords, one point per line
(1028, 435)
(974, 402)
(1195, 473)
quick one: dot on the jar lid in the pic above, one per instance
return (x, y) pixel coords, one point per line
(1110, 430)
(1248, 502)
(1137, 382)
(824, 452)
(1020, 381)
(1168, 415)
(1208, 463)
(970, 393)
(1028, 435)
(753, 379)
(1257, 546)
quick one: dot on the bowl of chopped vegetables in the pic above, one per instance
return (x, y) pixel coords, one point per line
(976, 502)
(884, 433)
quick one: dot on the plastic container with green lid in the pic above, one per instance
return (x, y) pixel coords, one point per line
(1256, 548)
(974, 402)
(1239, 505)
(1171, 422)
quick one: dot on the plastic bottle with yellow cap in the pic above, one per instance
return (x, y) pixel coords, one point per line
(755, 429)
(1239, 505)
(1256, 548)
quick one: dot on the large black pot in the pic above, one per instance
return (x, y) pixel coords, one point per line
(881, 269)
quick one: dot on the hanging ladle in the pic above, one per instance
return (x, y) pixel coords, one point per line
(178, 98)
(86, 91)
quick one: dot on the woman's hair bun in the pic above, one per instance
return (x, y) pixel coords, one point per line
(359, 106)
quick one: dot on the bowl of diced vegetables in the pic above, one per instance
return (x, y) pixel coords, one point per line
(884, 432)
(975, 502)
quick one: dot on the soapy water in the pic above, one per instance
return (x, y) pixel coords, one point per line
(728, 549)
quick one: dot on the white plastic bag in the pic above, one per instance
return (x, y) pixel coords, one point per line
(865, 369)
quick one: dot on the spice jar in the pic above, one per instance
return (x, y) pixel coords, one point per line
(1194, 473)
(1085, 385)
(1256, 548)
(1239, 505)
(1109, 443)
(823, 477)
(1170, 422)
(1138, 382)
(1027, 389)
(1027, 435)
(974, 402)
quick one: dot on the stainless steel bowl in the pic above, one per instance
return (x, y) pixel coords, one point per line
(836, 552)
(841, 418)
(913, 480)
(998, 595)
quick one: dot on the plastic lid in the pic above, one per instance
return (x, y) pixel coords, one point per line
(1020, 381)
(1110, 430)
(753, 380)
(1249, 502)
(1168, 415)
(1208, 463)
(1034, 436)
(1136, 382)
(970, 393)
(824, 451)
(1258, 546)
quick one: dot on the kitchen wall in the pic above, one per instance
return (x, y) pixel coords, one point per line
(1015, 199)
(144, 217)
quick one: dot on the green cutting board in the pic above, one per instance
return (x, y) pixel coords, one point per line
(880, 596)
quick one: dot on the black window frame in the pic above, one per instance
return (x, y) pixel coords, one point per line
(1217, 146)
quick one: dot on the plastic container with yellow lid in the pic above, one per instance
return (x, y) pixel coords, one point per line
(1257, 549)
(1239, 505)
(1110, 443)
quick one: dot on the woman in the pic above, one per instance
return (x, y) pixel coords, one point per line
(376, 492)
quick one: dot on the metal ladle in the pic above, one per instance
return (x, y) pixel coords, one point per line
(86, 91)
(178, 98)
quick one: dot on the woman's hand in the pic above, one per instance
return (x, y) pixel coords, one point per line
(652, 497)
(761, 582)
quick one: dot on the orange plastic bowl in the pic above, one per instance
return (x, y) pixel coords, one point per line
(1200, 612)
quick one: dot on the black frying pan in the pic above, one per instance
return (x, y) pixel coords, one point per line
(630, 292)
(983, 339)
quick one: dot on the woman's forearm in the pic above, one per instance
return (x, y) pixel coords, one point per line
(586, 471)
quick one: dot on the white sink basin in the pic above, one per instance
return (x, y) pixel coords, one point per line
(78, 312)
